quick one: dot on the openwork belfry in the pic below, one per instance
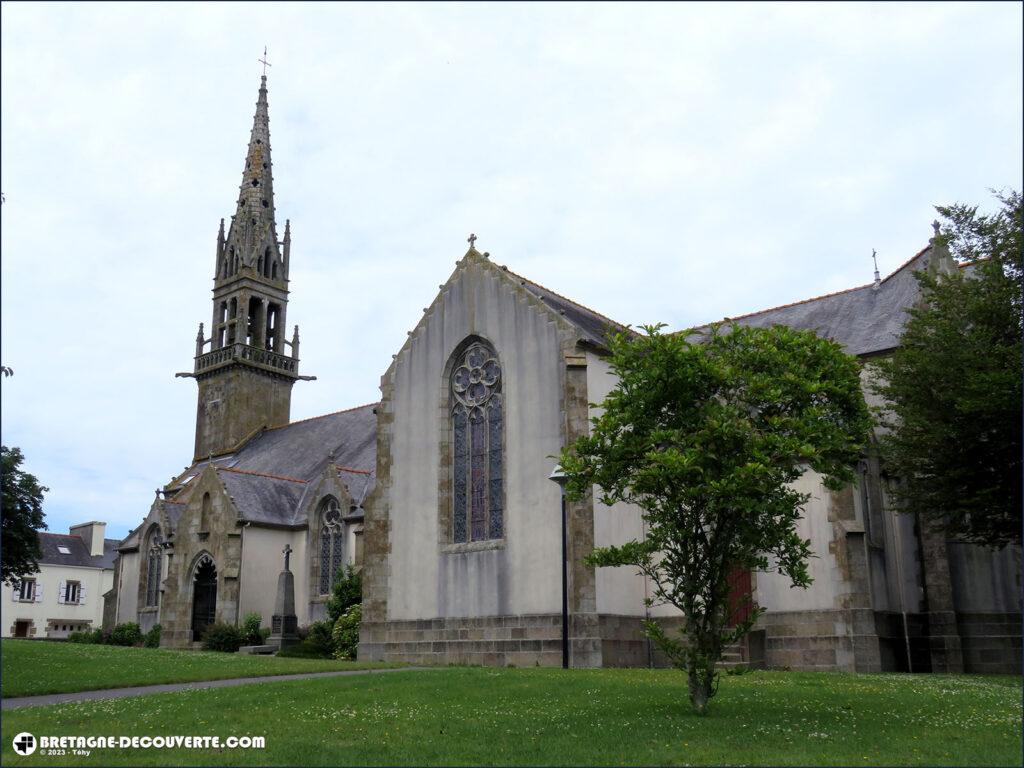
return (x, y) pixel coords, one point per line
(477, 420)
(331, 537)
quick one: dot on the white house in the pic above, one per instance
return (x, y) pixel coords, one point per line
(66, 596)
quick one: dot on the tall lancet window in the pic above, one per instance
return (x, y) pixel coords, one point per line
(477, 421)
(155, 561)
(331, 539)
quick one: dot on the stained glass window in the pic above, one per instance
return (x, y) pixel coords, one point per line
(331, 538)
(155, 554)
(476, 423)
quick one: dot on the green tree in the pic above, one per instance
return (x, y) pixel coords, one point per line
(706, 436)
(953, 386)
(22, 517)
(348, 590)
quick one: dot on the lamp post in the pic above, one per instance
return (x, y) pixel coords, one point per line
(559, 477)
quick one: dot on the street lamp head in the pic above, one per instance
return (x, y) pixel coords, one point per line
(558, 476)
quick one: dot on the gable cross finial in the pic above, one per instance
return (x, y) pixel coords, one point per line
(471, 240)
(935, 226)
(264, 61)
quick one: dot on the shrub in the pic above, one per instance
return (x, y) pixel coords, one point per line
(348, 590)
(124, 634)
(152, 638)
(93, 636)
(222, 637)
(316, 642)
(251, 633)
(319, 638)
(346, 632)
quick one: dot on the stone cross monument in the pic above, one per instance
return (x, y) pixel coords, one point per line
(284, 625)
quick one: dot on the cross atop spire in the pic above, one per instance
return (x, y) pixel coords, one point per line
(264, 61)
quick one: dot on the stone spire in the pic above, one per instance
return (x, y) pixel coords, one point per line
(253, 228)
(246, 368)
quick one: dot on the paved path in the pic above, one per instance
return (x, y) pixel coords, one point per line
(118, 693)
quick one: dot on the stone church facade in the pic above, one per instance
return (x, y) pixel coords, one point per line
(441, 494)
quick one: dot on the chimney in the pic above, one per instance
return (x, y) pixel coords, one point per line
(92, 534)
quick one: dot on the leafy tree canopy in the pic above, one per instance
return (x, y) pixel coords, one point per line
(706, 436)
(953, 385)
(22, 517)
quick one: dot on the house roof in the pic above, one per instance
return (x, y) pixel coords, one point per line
(77, 551)
(866, 319)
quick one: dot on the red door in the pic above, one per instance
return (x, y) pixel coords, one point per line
(740, 582)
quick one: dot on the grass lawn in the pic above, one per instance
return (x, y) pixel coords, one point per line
(474, 716)
(32, 668)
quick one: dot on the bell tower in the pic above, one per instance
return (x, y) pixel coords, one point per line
(246, 368)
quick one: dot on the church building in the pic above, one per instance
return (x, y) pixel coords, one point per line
(441, 492)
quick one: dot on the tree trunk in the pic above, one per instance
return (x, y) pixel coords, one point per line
(700, 682)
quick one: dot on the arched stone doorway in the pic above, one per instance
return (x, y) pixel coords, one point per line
(204, 597)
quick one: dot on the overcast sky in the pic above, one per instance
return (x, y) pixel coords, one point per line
(655, 162)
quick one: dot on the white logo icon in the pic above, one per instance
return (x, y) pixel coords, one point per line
(24, 744)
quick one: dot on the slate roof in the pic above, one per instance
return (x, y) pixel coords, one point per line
(299, 450)
(79, 552)
(359, 481)
(262, 498)
(591, 324)
(268, 476)
(864, 319)
(172, 511)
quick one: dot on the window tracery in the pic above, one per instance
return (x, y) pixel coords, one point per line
(477, 424)
(331, 543)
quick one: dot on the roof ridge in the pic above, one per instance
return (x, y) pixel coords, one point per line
(802, 301)
(900, 268)
(258, 474)
(563, 298)
(349, 469)
(321, 416)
